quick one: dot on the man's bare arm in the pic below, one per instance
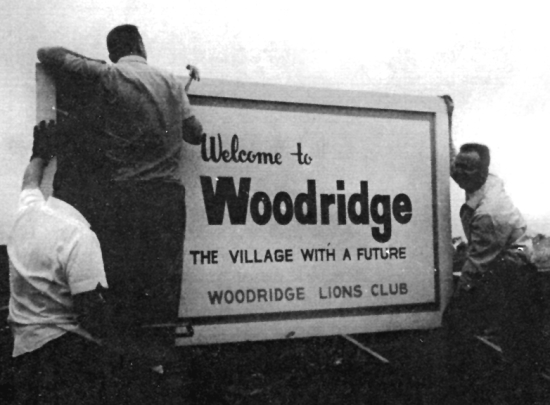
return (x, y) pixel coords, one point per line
(449, 103)
(33, 174)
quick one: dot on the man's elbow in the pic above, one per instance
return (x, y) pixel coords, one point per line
(192, 130)
(41, 54)
(51, 55)
(93, 312)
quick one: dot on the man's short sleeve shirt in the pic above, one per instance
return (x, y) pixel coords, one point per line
(54, 255)
(140, 114)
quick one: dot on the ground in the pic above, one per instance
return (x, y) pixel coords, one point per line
(317, 370)
(320, 370)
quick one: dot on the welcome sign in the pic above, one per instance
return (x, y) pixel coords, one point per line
(309, 211)
(314, 211)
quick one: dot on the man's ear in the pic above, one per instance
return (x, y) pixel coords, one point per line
(485, 173)
(141, 50)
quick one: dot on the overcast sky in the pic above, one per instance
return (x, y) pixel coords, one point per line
(491, 57)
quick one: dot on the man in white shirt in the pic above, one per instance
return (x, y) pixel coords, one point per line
(56, 304)
(498, 289)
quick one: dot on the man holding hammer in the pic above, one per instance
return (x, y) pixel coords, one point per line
(141, 118)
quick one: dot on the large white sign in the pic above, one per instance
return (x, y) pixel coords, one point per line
(309, 211)
(314, 212)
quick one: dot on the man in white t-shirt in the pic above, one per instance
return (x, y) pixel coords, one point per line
(56, 308)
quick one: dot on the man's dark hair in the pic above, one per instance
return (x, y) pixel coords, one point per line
(123, 40)
(482, 151)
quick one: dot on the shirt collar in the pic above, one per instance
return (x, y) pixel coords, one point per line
(67, 209)
(473, 200)
(132, 58)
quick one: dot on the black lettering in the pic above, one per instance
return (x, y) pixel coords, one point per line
(288, 255)
(402, 253)
(250, 296)
(262, 294)
(256, 258)
(393, 291)
(308, 254)
(382, 290)
(194, 253)
(383, 218)
(402, 208)
(229, 297)
(213, 156)
(215, 297)
(363, 199)
(326, 201)
(239, 296)
(347, 291)
(235, 148)
(310, 200)
(260, 198)
(341, 202)
(403, 290)
(281, 217)
(226, 156)
(347, 256)
(242, 156)
(265, 157)
(368, 256)
(289, 294)
(279, 255)
(225, 194)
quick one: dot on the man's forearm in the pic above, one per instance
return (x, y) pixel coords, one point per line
(34, 173)
(67, 60)
(56, 54)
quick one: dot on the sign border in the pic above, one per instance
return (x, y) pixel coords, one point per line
(215, 98)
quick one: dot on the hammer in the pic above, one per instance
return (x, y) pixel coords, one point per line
(193, 75)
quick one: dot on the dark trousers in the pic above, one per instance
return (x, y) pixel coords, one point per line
(141, 230)
(73, 370)
(506, 300)
(140, 226)
(66, 370)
